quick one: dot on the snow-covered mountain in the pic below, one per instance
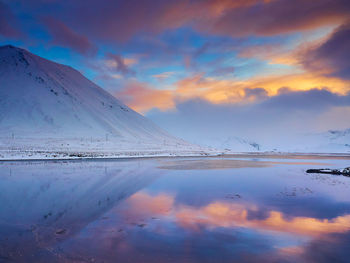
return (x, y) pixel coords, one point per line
(233, 143)
(49, 107)
(332, 141)
(337, 141)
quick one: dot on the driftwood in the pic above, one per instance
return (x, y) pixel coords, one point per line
(345, 171)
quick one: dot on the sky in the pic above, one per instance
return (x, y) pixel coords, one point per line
(264, 70)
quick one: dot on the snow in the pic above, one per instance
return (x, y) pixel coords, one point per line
(233, 143)
(332, 141)
(49, 110)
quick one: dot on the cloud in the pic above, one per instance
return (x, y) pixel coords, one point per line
(279, 120)
(330, 57)
(313, 99)
(164, 75)
(235, 91)
(119, 21)
(7, 22)
(223, 71)
(222, 91)
(119, 64)
(278, 17)
(273, 53)
(141, 97)
(63, 35)
(255, 94)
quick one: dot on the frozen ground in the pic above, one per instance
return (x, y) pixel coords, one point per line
(74, 148)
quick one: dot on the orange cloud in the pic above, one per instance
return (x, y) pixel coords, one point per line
(220, 214)
(141, 98)
(274, 54)
(228, 91)
(144, 203)
(232, 91)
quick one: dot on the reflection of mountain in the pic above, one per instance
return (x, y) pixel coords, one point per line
(42, 203)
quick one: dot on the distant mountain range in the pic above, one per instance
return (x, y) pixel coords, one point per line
(332, 141)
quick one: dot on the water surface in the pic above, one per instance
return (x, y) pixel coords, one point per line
(233, 209)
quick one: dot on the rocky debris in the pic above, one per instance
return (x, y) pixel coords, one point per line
(344, 171)
(61, 231)
(295, 191)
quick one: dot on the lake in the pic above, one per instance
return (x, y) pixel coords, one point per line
(214, 209)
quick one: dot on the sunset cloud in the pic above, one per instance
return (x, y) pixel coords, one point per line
(120, 20)
(141, 97)
(329, 57)
(63, 35)
(278, 17)
(119, 64)
(7, 22)
(227, 91)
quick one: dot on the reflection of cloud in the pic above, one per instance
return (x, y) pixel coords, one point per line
(226, 215)
(232, 215)
(329, 248)
(143, 203)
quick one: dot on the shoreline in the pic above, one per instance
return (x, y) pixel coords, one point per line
(262, 155)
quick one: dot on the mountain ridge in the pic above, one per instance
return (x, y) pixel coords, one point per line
(48, 106)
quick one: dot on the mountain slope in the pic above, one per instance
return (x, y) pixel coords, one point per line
(337, 141)
(46, 106)
(332, 141)
(232, 144)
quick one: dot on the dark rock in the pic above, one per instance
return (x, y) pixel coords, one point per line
(345, 171)
(60, 231)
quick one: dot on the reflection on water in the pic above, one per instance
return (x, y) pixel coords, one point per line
(174, 210)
